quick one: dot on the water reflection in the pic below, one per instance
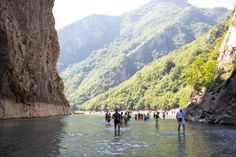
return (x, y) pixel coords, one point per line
(181, 144)
(213, 140)
(157, 127)
(117, 133)
(90, 136)
(30, 137)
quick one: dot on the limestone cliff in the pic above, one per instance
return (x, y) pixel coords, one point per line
(29, 49)
(219, 105)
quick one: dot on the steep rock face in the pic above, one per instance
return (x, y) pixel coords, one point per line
(219, 106)
(29, 83)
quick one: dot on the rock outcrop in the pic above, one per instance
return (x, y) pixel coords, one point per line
(219, 106)
(29, 49)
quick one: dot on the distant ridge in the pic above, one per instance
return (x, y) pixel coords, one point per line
(105, 51)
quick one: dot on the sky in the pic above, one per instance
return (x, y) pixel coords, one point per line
(69, 11)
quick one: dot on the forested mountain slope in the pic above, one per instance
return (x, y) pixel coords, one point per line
(147, 33)
(166, 82)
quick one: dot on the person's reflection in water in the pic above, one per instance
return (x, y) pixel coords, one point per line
(117, 133)
(181, 145)
(157, 126)
(117, 147)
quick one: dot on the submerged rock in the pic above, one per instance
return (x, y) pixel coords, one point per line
(29, 49)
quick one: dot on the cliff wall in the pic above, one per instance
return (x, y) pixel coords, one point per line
(218, 104)
(29, 49)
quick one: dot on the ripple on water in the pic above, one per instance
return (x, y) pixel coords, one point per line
(121, 129)
(89, 136)
(119, 146)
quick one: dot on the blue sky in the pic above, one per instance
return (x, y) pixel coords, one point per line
(68, 11)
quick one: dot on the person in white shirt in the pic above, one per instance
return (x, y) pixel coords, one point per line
(181, 120)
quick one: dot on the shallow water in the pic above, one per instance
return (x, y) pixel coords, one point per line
(81, 135)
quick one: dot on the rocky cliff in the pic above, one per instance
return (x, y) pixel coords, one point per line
(218, 104)
(29, 49)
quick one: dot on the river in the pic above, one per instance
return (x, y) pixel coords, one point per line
(83, 135)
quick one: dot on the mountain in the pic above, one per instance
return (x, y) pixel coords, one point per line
(29, 83)
(147, 33)
(217, 103)
(79, 40)
(166, 82)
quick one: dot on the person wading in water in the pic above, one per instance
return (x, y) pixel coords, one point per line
(109, 117)
(181, 120)
(106, 116)
(157, 116)
(117, 117)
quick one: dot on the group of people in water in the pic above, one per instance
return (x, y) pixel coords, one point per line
(121, 119)
(141, 116)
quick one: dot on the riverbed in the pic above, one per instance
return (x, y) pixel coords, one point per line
(84, 135)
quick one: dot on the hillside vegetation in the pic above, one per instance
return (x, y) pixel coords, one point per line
(139, 37)
(166, 82)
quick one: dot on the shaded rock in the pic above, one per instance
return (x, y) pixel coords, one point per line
(29, 49)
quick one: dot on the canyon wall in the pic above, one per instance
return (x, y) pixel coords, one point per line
(218, 103)
(29, 49)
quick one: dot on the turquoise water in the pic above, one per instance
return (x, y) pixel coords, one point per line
(81, 135)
